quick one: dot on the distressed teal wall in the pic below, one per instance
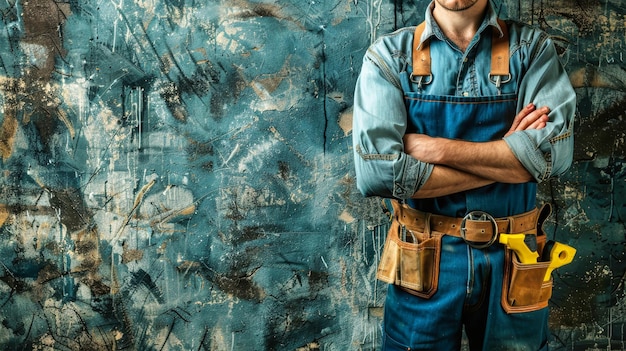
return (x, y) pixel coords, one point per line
(177, 174)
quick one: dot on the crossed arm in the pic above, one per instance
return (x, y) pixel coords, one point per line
(462, 165)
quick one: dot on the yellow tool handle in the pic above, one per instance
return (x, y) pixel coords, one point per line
(516, 243)
(560, 255)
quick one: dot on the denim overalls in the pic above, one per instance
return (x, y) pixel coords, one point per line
(470, 280)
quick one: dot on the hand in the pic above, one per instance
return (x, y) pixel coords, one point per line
(529, 118)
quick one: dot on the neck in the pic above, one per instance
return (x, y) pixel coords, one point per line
(460, 26)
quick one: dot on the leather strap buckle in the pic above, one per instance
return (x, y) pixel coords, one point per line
(499, 80)
(420, 79)
(479, 216)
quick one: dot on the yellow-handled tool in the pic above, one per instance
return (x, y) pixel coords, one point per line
(524, 246)
(559, 255)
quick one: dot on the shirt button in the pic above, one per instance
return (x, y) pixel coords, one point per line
(465, 59)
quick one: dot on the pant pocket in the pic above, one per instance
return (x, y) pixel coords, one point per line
(411, 260)
(524, 288)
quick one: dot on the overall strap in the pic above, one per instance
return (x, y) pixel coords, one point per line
(500, 72)
(499, 56)
(421, 53)
(500, 51)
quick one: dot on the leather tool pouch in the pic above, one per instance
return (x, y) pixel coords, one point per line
(523, 287)
(410, 259)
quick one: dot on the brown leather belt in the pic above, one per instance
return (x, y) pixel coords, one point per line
(472, 229)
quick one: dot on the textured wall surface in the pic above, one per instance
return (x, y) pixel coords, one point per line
(177, 174)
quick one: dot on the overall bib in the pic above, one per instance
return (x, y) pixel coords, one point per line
(470, 279)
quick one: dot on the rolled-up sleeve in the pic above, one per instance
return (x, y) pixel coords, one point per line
(546, 152)
(379, 123)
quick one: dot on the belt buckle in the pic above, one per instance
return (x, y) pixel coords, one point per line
(479, 216)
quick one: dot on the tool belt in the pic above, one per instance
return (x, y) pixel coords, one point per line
(412, 252)
(479, 229)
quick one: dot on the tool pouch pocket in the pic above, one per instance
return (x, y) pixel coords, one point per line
(410, 259)
(524, 288)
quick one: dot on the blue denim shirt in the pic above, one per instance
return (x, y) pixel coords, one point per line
(380, 116)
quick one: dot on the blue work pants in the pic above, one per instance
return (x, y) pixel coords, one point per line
(468, 296)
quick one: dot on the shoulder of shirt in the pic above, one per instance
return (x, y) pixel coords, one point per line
(400, 40)
(396, 38)
(523, 32)
(529, 38)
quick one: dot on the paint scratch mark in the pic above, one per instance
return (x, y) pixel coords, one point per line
(138, 200)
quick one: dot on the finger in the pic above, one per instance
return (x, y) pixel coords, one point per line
(530, 119)
(539, 123)
(543, 111)
(536, 122)
(521, 115)
(528, 109)
(527, 121)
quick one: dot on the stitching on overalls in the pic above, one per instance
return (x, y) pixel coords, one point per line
(381, 157)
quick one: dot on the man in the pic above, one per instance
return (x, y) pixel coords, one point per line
(459, 119)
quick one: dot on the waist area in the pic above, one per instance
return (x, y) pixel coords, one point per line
(475, 227)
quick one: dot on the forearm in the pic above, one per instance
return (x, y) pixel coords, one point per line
(445, 181)
(489, 160)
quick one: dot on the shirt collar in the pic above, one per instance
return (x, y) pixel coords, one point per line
(432, 28)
